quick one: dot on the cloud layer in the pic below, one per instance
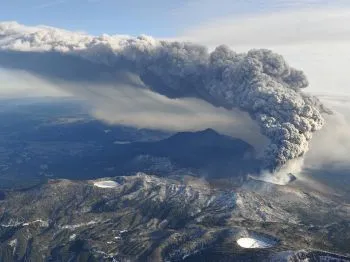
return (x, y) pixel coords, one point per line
(315, 40)
(276, 29)
(259, 82)
(331, 146)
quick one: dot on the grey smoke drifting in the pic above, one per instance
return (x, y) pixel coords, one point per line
(259, 82)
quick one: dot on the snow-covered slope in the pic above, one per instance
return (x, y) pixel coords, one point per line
(144, 217)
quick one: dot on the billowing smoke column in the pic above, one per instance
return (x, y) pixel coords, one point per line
(259, 82)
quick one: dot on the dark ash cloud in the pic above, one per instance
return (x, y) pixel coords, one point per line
(259, 82)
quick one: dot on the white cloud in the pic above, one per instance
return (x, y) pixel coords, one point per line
(193, 12)
(315, 40)
(280, 28)
(331, 146)
(325, 64)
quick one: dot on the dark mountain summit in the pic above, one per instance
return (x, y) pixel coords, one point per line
(205, 149)
(208, 138)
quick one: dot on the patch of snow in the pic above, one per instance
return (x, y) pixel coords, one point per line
(79, 225)
(252, 206)
(163, 224)
(106, 184)
(12, 223)
(13, 242)
(41, 223)
(252, 242)
(72, 237)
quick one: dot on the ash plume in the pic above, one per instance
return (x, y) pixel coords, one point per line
(259, 82)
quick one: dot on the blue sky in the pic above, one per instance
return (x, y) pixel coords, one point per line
(160, 18)
(94, 16)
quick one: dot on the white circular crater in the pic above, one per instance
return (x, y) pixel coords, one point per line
(106, 184)
(252, 242)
